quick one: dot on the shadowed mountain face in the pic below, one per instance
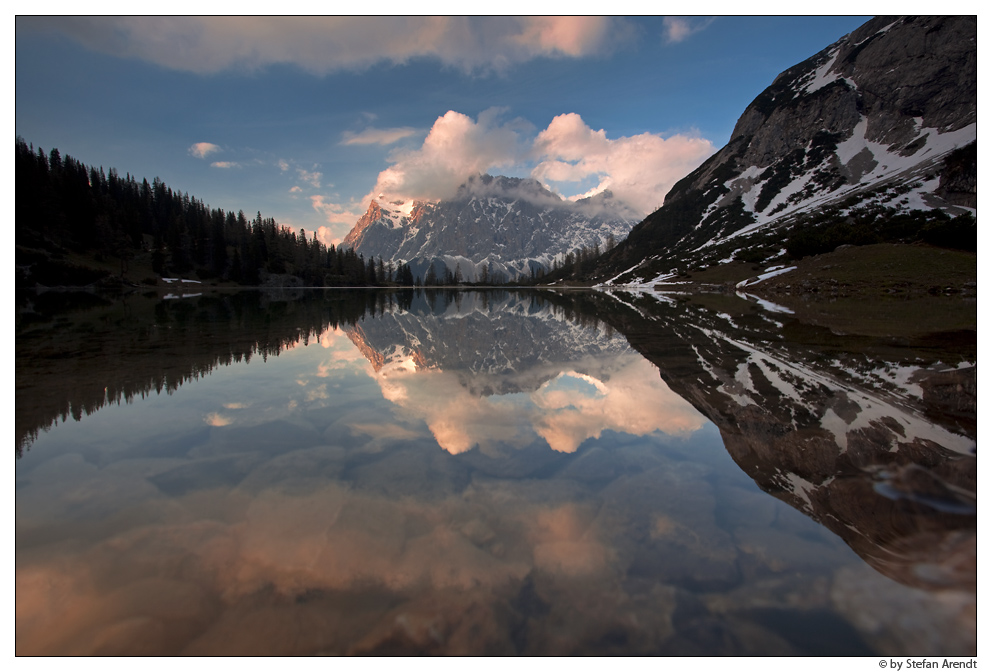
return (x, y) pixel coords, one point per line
(878, 124)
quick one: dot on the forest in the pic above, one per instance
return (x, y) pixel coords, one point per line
(69, 215)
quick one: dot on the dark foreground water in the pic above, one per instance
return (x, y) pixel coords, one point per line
(350, 472)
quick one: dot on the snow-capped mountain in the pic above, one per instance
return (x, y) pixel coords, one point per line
(493, 227)
(882, 121)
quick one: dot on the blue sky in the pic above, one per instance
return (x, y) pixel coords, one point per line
(306, 120)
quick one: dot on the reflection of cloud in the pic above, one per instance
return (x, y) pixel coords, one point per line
(384, 433)
(315, 393)
(458, 419)
(217, 420)
(147, 589)
(236, 404)
(635, 400)
(565, 411)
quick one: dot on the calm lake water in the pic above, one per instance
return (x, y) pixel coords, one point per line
(360, 472)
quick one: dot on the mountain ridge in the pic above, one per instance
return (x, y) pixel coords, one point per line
(493, 227)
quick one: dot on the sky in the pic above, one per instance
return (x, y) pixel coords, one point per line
(307, 119)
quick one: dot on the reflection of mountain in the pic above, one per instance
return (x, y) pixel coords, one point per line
(496, 342)
(876, 443)
(485, 367)
(77, 352)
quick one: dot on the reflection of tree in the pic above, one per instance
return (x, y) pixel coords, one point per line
(77, 352)
(898, 485)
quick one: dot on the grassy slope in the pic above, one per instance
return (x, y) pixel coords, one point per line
(900, 291)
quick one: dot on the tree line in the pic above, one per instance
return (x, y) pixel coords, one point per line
(63, 206)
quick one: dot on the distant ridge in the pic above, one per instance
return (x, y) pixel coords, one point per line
(493, 227)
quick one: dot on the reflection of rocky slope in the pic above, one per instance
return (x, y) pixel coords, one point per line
(881, 452)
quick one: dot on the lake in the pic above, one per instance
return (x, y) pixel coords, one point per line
(487, 473)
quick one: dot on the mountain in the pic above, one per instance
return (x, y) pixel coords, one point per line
(870, 140)
(492, 227)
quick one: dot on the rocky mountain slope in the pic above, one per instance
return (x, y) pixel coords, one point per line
(494, 227)
(880, 124)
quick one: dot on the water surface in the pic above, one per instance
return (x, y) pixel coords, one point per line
(350, 472)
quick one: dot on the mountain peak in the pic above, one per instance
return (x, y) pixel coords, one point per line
(506, 225)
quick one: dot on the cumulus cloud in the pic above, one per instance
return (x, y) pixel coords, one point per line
(455, 148)
(377, 136)
(208, 44)
(679, 28)
(296, 189)
(638, 169)
(203, 149)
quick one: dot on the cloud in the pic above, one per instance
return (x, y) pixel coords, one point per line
(638, 169)
(203, 149)
(455, 148)
(310, 177)
(283, 165)
(320, 45)
(377, 136)
(296, 189)
(225, 164)
(344, 216)
(679, 28)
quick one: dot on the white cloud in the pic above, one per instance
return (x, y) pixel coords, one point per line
(203, 149)
(628, 396)
(679, 28)
(310, 177)
(343, 216)
(377, 136)
(296, 189)
(225, 164)
(455, 148)
(207, 44)
(283, 165)
(638, 169)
